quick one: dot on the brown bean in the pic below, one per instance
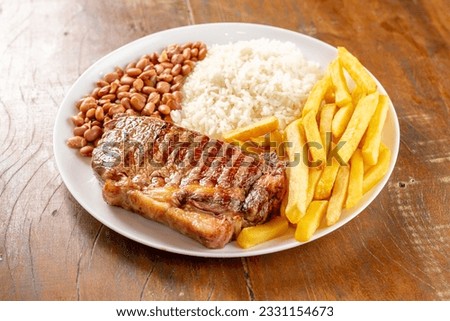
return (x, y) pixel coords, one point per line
(154, 98)
(185, 70)
(138, 84)
(148, 109)
(87, 150)
(177, 59)
(133, 72)
(119, 71)
(163, 87)
(154, 57)
(164, 109)
(88, 103)
(93, 133)
(76, 142)
(137, 102)
(110, 97)
(178, 79)
(166, 97)
(176, 70)
(111, 77)
(99, 114)
(130, 65)
(159, 69)
(148, 90)
(123, 94)
(102, 83)
(114, 87)
(147, 74)
(77, 120)
(90, 113)
(176, 87)
(123, 88)
(165, 77)
(172, 104)
(126, 80)
(194, 52)
(79, 131)
(142, 63)
(125, 101)
(117, 109)
(187, 53)
(186, 45)
(106, 107)
(202, 54)
(167, 65)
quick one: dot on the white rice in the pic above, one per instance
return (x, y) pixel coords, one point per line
(242, 82)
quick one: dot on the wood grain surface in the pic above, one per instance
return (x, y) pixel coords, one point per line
(52, 249)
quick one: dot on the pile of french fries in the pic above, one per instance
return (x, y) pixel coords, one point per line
(334, 151)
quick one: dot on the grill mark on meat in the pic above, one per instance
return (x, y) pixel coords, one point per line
(176, 176)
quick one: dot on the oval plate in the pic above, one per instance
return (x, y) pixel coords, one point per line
(85, 188)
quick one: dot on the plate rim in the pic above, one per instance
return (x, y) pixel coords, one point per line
(208, 252)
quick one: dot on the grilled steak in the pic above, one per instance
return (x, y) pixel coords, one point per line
(204, 188)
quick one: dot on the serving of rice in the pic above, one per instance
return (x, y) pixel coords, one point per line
(242, 82)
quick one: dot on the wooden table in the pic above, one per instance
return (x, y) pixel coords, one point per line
(52, 249)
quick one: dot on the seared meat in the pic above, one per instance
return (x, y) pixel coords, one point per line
(204, 188)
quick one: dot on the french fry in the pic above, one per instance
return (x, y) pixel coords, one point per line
(326, 119)
(326, 181)
(377, 172)
(311, 221)
(372, 140)
(296, 172)
(342, 94)
(314, 141)
(357, 125)
(357, 94)
(313, 178)
(316, 95)
(254, 235)
(356, 70)
(259, 128)
(355, 184)
(337, 199)
(340, 120)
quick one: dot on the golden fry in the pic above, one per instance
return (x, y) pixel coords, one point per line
(337, 199)
(357, 71)
(340, 120)
(259, 128)
(254, 235)
(326, 181)
(342, 94)
(316, 95)
(355, 184)
(372, 140)
(325, 125)
(377, 172)
(357, 94)
(296, 172)
(357, 125)
(313, 178)
(315, 147)
(311, 221)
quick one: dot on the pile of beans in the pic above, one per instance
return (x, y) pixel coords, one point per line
(149, 87)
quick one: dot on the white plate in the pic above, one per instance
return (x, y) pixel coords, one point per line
(78, 176)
